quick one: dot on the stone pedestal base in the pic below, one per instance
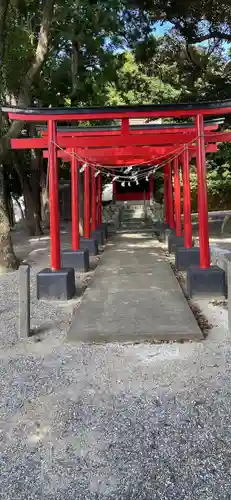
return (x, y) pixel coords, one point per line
(174, 242)
(186, 257)
(78, 259)
(99, 234)
(206, 282)
(90, 244)
(56, 285)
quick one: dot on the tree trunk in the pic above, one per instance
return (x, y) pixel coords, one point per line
(31, 209)
(74, 69)
(4, 5)
(8, 259)
(35, 180)
(10, 211)
(45, 212)
(20, 208)
(8, 201)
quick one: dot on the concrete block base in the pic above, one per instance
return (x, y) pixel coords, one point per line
(99, 234)
(228, 281)
(90, 244)
(186, 257)
(78, 259)
(56, 285)
(206, 282)
(218, 256)
(174, 242)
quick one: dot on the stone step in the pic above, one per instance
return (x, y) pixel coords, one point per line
(133, 222)
(133, 213)
(131, 219)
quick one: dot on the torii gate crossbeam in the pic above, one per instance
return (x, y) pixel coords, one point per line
(200, 135)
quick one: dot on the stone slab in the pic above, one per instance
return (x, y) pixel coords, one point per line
(226, 225)
(228, 278)
(132, 302)
(216, 253)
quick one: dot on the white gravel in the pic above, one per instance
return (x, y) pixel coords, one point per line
(143, 422)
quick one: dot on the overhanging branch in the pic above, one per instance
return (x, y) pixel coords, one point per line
(41, 52)
(208, 36)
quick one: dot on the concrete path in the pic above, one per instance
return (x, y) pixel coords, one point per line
(134, 297)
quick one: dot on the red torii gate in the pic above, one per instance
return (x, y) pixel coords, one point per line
(71, 156)
(166, 139)
(120, 156)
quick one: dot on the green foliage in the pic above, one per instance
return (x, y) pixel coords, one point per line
(134, 86)
(196, 20)
(218, 179)
(106, 52)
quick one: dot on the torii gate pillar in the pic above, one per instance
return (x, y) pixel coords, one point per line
(187, 255)
(76, 257)
(100, 225)
(55, 282)
(176, 239)
(88, 242)
(166, 197)
(170, 198)
(96, 232)
(204, 279)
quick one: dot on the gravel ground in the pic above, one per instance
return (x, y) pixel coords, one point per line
(144, 422)
(45, 316)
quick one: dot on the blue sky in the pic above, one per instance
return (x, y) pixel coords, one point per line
(161, 29)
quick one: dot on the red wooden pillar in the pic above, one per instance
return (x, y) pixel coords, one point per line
(93, 200)
(54, 197)
(87, 227)
(177, 195)
(202, 195)
(170, 198)
(75, 201)
(187, 200)
(99, 198)
(166, 193)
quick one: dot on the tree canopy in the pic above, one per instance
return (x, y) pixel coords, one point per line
(99, 52)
